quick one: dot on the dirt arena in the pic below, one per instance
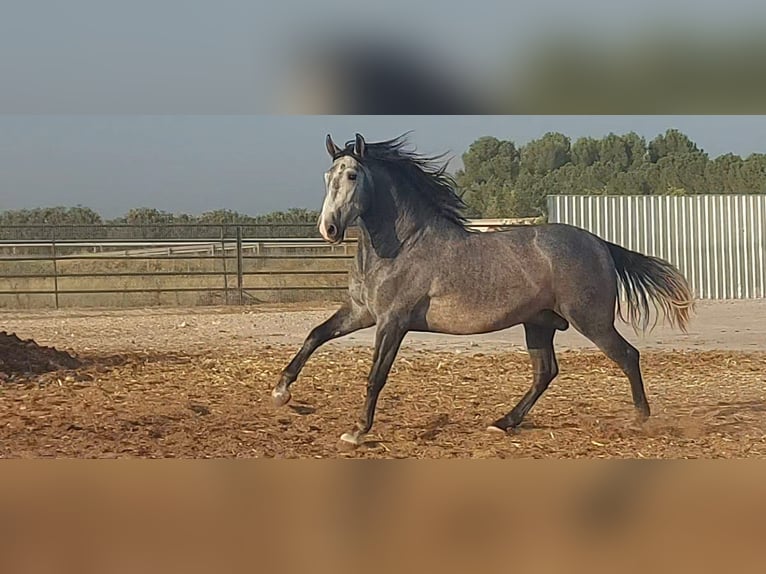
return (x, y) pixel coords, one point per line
(197, 383)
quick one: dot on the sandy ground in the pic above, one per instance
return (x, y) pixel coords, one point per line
(729, 325)
(196, 383)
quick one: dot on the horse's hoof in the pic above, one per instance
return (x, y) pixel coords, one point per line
(642, 416)
(280, 398)
(350, 440)
(496, 430)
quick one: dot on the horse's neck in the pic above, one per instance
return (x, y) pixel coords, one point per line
(378, 240)
(387, 226)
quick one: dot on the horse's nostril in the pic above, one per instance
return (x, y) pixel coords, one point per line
(332, 231)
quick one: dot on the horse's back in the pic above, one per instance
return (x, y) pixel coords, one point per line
(560, 243)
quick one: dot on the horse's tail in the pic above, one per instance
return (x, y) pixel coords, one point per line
(646, 279)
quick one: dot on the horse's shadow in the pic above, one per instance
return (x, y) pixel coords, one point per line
(303, 409)
(434, 427)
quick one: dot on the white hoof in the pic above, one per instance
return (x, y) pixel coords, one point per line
(280, 398)
(496, 430)
(351, 439)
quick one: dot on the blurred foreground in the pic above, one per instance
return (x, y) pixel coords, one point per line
(380, 516)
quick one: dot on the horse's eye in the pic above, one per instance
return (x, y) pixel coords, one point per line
(352, 176)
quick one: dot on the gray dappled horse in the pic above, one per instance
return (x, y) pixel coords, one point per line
(419, 268)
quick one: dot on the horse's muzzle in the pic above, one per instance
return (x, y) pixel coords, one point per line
(331, 232)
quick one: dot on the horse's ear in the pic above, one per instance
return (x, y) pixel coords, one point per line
(332, 149)
(359, 146)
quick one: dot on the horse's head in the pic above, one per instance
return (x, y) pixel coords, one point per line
(347, 185)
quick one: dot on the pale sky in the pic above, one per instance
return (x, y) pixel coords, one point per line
(257, 164)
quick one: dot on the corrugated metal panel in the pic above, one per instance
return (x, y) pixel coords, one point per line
(717, 241)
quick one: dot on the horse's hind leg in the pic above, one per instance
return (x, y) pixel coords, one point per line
(545, 368)
(614, 346)
(602, 332)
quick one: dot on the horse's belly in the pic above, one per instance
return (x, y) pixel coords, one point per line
(454, 317)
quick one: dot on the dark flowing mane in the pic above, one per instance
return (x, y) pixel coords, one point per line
(428, 174)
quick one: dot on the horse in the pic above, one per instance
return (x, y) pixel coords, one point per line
(420, 268)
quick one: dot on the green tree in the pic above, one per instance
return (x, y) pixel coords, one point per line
(685, 171)
(490, 167)
(753, 174)
(222, 216)
(614, 152)
(672, 142)
(293, 215)
(148, 216)
(58, 215)
(636, 148)
(489, 159)
(585, 151)
(623, 152)
(546, 154)
(723, 173)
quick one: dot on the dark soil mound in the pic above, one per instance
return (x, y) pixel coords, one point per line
(19, 357)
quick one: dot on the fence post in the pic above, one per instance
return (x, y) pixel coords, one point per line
(223, 264)
(55, 268)
(239, 262)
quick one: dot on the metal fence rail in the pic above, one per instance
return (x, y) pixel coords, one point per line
(717, 241)
(225, 267)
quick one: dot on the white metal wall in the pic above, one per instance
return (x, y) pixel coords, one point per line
(717, 241)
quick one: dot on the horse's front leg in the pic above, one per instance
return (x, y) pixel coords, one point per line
(388, 339)
(349, 318)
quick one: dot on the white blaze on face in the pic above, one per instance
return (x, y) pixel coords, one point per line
(340, 184)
